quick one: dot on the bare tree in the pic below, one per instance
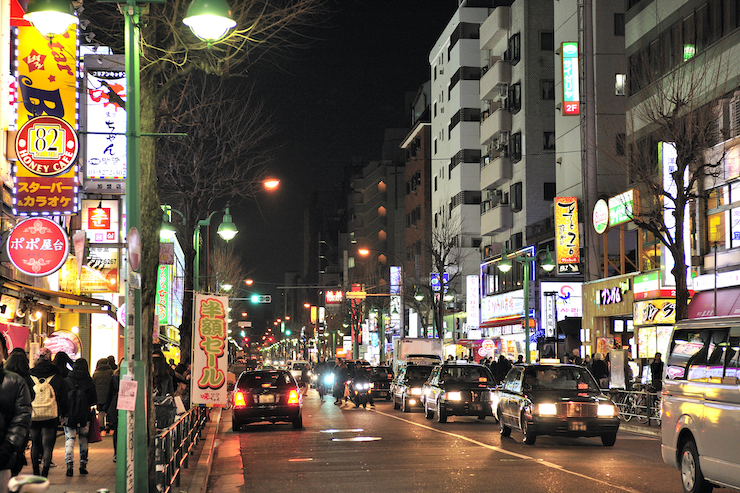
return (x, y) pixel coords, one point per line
(222, 160)
(679, 109)
(448, 257)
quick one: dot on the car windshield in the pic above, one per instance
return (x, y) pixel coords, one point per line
(419, 372)
(382, 372)
(466, 374)
(262, 379)
(563, 378)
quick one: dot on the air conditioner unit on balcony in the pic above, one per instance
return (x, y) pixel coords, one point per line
(501, 141)
(503, 91)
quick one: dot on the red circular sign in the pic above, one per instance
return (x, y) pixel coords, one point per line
(46, 145)
(38, 246)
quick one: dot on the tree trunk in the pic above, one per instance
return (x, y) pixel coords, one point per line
(151, 221)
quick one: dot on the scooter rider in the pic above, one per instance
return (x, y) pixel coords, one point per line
(362, 380)
(321, 369)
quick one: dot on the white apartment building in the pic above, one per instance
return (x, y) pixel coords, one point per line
(517, 129)
(455, 63)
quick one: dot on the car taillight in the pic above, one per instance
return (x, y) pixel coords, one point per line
(293, 397)
(240, 399)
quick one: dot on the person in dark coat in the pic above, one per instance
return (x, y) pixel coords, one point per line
(44, 429)
(17, 362)
(15, 409)
(112, 362)
(64, 363)
(600, 370)
(502, 368)
(111, 406)
(101, 379)
(83, 397)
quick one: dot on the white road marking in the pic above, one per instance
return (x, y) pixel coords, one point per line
(545, 463)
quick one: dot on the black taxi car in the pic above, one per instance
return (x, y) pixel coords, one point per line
(267, 395)
(406, 387)
(458, 389)
(380, 380)
(556, 399)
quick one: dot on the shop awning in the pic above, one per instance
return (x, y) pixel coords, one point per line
(54, 299)
(728, 303)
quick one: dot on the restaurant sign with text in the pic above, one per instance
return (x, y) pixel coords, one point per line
(567, 240)
(38, 246)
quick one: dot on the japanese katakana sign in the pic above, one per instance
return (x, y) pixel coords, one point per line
(45, 179)
(209, 350)
(38, 246)
(567, 240)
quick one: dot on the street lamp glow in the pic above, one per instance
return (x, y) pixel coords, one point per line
(271, 183)
(227, 287)
(363, 251)
(209, 20)
(505, 264)
(248, 282)
(50, 17)
(548, 264)
(167, 231)
(227, 229)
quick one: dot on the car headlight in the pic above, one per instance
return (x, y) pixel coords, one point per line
(606, 411)
(547, 409)
(454, 396)
(416, 391)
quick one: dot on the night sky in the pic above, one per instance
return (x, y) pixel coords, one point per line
(331, 103)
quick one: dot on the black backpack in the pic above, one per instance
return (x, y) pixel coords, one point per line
(79, 408)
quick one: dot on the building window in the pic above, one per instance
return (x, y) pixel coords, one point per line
(515, 195)
(515, 97)
(547, 41)
(549, 191)
(435, 146)
(517, 241)
(514, 49)
(548, 139)
(515, 147)
(620, 84)
(619, 24)
(547, 89)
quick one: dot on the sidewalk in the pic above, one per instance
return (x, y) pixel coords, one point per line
(102, 469)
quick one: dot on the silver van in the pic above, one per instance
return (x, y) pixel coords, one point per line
(701, 403)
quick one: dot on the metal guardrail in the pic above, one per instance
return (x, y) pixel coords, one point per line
(641, 405)
(174, 445)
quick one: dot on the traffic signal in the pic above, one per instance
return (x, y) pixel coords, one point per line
(287, 332)
(261, 298)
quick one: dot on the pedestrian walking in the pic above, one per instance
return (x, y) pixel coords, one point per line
(502, 368)
(15, 409)
(82, 397)
(600, 370)
(656, 373)
(64, 363)
(111, 406)
(49, 404)
(101, 379)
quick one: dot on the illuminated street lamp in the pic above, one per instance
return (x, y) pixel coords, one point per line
(505, 265)
(226, 230)
(209, 20)
(50, 17)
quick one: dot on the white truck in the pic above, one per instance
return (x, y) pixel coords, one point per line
(410, 349)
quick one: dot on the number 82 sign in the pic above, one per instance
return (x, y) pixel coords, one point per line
(47, 145)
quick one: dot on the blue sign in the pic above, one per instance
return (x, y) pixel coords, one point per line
(434, 281)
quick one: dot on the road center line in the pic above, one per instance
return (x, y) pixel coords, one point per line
(551, 465)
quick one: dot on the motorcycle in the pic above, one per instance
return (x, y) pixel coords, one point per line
(359, 392)
(325, 384)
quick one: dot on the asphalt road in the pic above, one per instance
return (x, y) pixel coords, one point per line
(354, 449)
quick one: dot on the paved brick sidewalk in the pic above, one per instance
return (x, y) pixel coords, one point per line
(102, 469)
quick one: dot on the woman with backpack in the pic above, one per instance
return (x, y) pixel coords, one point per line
(49, 404)
(82, 397)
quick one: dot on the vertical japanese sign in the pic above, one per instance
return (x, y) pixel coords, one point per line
(101, 223)
(571, 90)
(105, 120)
(208, 387)
(667, 159)
(472, 301)
(567, 241)
(47, 82)
(163, 294)
(396, 302)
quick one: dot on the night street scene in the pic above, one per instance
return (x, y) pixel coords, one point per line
(326, 245)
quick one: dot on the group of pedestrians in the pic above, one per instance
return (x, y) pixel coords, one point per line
(35, 402)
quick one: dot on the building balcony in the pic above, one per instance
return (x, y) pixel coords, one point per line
(498, 121)
(494, 84)
(494, 171)
(494, 29)
(496, 220)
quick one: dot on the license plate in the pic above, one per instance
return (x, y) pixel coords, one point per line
(266, 399)
(577, 426)
(476, 407)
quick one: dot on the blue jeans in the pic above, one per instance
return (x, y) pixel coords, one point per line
(69, 443)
